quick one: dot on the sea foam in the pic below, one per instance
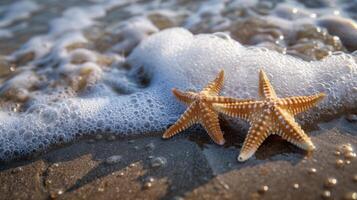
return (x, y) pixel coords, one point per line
(15, 12)
(175, 58)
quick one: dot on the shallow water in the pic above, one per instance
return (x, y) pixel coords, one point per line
(88, 67)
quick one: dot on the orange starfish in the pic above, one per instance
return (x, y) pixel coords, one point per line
(270, 115)
(200, 110)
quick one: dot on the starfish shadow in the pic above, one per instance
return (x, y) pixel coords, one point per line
(274, 148)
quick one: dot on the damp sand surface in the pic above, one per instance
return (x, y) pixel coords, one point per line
(188, 166)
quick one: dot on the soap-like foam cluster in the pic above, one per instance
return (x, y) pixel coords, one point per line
(192, 60)
(172, 58)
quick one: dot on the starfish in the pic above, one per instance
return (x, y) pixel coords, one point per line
(270, 115)
(200, 110)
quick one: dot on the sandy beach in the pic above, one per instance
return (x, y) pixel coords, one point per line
(186, 167)
(86, 95)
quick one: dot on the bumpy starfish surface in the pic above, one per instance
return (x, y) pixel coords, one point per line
(200, 110)
(270, 115)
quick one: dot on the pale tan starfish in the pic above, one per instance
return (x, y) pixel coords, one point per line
(270, 115)
(200, 110)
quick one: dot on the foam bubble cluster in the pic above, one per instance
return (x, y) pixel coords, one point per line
(187, 62)
(170, 58)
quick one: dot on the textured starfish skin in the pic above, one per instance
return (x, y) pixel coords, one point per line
(200, 110)
(270, 115)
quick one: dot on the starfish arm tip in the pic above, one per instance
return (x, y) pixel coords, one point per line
(322, 95)
(168, 134)
(240, 158)
(262, 73)
(311, 147)
(308, 146)
(174, 90)
(243, 156)
(319, 97)
(221, 142)
(221, 72)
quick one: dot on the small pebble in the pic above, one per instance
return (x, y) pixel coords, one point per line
(113, 159)
(150, 179)
(150, 146)
(350, 155)
(158, 162)
(312, 171)
(330, 182)
(17, 169)
(12, 68)
(326, 194)
(346, 148)
(351, 118)
(339, 163)
(296, 186)
(263, 189)
(350, 196)
(147, 185)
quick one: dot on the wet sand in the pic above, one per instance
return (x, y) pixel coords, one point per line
(188, 166)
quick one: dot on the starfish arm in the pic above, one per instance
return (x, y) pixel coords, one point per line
(182, 96)
(214, 87)
(210, 122)
(266, 90)
(291, 131)
(187, 119)
(241, 109)
(257, 133)
(296, 105)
